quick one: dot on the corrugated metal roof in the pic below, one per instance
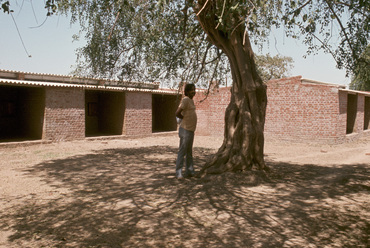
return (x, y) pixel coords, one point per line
(53, 78)
(71, 85)
(40, 83)
(19, 78)
(366, 93)
(29, 73)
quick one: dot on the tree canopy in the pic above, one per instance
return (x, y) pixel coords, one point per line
(361, 78)
(162, 40)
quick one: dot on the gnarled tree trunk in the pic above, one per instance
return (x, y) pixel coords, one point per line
(243, 144)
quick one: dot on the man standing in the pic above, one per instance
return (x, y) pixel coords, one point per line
(186, 112)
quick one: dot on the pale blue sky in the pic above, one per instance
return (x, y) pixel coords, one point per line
(52, 50)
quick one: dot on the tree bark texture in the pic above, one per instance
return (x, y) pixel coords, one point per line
(243, 144)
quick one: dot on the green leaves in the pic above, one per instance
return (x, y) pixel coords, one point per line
(361, 77)
(311, 27)
(340, 28)
(304, 17)
(293, 4)
(51, 6)
(5, 6)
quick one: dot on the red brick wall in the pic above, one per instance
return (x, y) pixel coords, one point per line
(138, 114)
(342, 118)
(211, 111)
(302, 110)
(296, 111)
(64, 117)
(360, 113)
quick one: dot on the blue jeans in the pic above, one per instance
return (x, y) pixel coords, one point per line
(185, 150)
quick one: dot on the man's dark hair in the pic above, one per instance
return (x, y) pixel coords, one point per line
(188, 88)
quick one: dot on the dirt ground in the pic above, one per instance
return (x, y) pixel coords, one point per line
(123, 193)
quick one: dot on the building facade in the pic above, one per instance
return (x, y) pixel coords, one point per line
(58, 108)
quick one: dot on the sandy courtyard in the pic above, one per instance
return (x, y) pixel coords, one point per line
(123, 193)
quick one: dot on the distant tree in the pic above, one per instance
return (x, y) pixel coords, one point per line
(361, 78)
(197, 41)
(273, 67)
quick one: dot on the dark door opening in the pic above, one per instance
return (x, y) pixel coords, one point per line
(367, 114)
(104, 112)
(351, 113)
(21, 113)
(163, 112)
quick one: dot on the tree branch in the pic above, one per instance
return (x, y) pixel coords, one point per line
(111, 31)
(322, 42)
(222, 14)
(301, 7)
(342, 27)
(202, 8)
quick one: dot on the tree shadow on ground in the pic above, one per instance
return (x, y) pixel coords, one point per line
(130, 198)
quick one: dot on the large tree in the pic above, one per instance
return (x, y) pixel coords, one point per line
(200, 41)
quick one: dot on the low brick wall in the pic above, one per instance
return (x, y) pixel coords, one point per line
(211, 111)
(138, 114)
(297, 110)
(302, 111)
(64, 116)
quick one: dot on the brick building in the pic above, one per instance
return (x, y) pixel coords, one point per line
(55, 108)
(298, 110)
